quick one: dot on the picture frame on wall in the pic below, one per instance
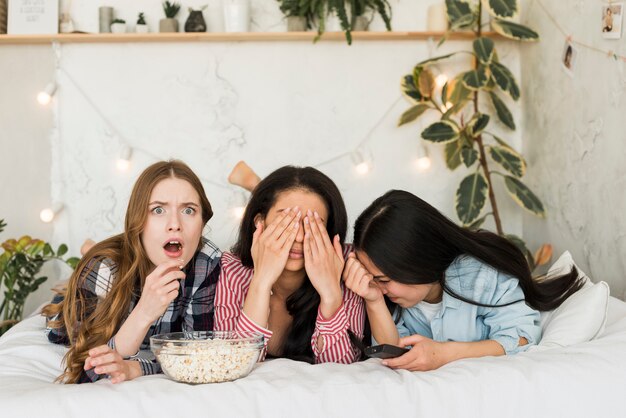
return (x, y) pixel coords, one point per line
(33, 17)
(612, 14)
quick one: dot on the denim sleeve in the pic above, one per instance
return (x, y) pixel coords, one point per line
(508, 324)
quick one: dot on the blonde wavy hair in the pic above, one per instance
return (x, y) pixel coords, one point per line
(86, 331)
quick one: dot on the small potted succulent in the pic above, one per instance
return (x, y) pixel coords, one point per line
(142, 26)
(169, 24)
(118, 26)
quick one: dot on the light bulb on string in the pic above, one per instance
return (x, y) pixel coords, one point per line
(123, 161)
(441, 80)
(48, 214)
(361, 165)
(423, 161)
(239, 208)
(45, 97)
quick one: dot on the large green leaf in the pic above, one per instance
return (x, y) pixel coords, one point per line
(514, 30)
(483, 48)
(524, 196)
(413, 113)
(453, 154)
(475, 79)
(457, 92)
(477, 124)
(469, 156)
(426, 83)
(434, 59)
(463, 22)
(471, 197)
(504, 114)
(460, 13)
(441, 132)
(511, 161)
(505, 79)
(478, 222)
(409, 88)
(502, 8)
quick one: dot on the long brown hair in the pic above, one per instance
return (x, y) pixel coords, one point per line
(89, 325)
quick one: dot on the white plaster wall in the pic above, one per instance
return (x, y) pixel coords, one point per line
(575, 142)
(212, 104)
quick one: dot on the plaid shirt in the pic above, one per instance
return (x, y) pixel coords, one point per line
(192, 310)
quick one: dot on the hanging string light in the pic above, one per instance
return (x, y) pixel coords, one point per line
(45, 96)
(48, 214)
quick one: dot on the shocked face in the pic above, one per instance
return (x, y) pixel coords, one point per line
(405, 295)
(174, 225)
(305, 200)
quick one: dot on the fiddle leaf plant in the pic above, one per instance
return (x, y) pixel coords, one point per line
(20, 264)
(465, 129)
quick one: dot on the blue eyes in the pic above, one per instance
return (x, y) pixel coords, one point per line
(160, 211)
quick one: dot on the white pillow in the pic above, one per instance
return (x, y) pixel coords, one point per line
(581, 317)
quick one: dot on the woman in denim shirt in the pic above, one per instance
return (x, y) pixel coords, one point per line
(455, 293)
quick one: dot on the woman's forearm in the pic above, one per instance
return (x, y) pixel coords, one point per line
(383, 328)
(257, 303)
(459, 350)
(132, 333)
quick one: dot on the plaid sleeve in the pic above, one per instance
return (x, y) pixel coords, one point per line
(205, 271)
(94, 283)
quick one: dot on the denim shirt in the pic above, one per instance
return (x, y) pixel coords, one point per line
(461, 321)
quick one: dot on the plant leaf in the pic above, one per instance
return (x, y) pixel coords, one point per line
(502, 8)
(475, 79)
(62, 250)
(511, 161)
(453, 154)
(505, 80)
(469, 156)
(504, 114)
(477, 124)
(441, 132)
(524, 196)
(543, 255)
(72, 262)
(521, 245)
(426, 83)
(459, 14)
(413, 113)
(471, 197)
(478, 222)
(514, 30)
(430, 60)
(409, 88)
(483, 48)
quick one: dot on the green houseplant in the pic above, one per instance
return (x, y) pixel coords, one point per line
(20, 265)
(465, 125)
(347, 11)
(169, 24)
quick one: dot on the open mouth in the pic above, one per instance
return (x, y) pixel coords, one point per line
(296, 254)
(173, 248)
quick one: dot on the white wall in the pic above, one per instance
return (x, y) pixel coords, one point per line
(575, 141)
(212, 104)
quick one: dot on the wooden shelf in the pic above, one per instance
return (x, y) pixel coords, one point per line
(226, 37)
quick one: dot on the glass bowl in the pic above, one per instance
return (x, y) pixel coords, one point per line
(207, 356)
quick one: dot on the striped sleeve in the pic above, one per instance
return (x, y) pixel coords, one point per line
(232, 288)
(336, 344)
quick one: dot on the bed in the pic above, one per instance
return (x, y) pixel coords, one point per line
(582, 380)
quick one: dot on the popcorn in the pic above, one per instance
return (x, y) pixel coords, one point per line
(208, 361)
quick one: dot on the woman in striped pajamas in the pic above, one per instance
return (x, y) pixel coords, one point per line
(283, 276)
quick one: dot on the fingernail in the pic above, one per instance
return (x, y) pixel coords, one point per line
(287, 210)
(384, 363)
(296, 208)
(317, 215)
(306, 219)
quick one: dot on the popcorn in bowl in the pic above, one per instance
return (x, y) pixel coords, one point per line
(207, 356)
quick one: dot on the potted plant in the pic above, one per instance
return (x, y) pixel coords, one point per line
(118, 26)
(467, 106)
(20, 264)
(142, 26)
(297, 13)
(169, 24)
(324, 12)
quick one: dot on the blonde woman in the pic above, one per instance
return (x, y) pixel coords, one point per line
(158, 276)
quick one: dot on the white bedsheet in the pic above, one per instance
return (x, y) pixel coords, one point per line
(585, 380)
